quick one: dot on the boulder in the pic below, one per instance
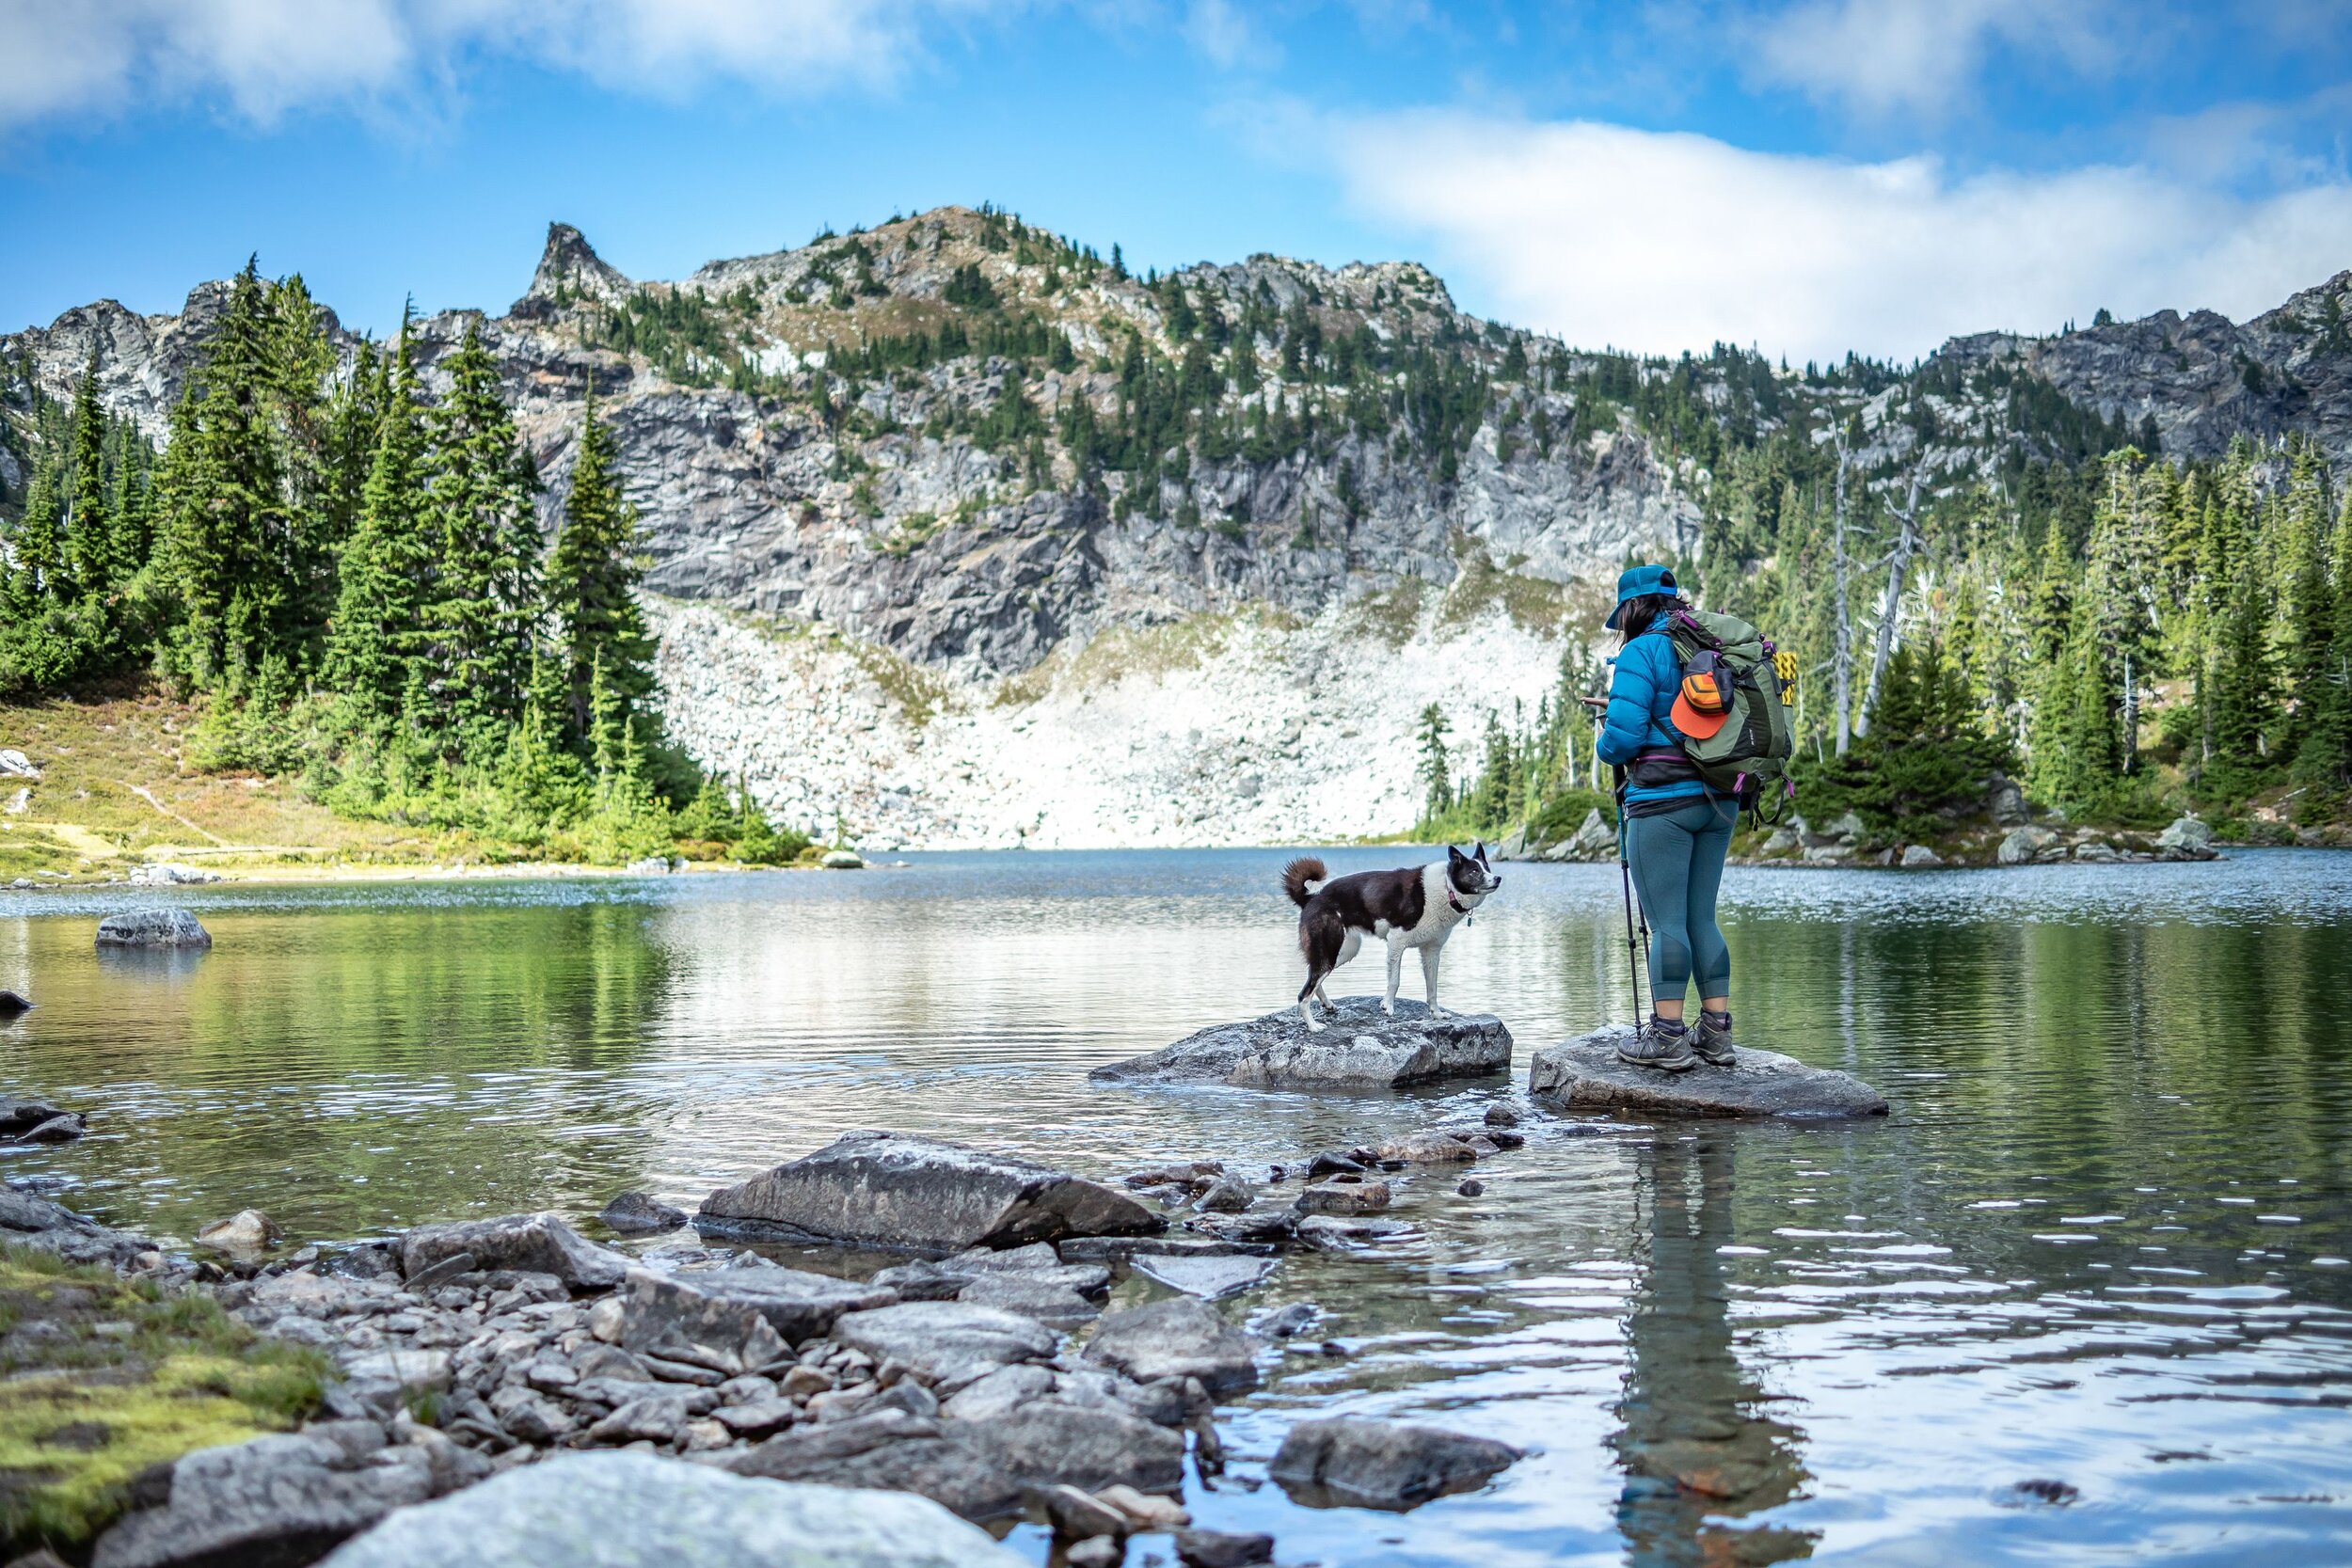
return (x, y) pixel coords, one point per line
(946, 1343)
(541, 1242)
(720, 1310)
(1918, 857)
(889, 1450)
(920, 1194)
(1586, 1073)
(634, 1213)
(63, 1129)
(1048, 1443)
(1005, 1389)
(153, 929)
(2186, 839)
(284, 1499)
(246, 1231)
(1177, 1338)
(640, 1510)
(16, 765)
(2097, 849)
(2030, 843)
(1206, 1278)
(1363, 1049)
(12, 1004)
(1344, 1195)
(20, 1116)
(1215, 1548)
(1351, 1462)
(2006, 802)
(843, 859)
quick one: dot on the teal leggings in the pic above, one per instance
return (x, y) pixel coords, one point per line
(1678, 859)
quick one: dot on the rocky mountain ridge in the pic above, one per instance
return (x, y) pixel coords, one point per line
(962, 446)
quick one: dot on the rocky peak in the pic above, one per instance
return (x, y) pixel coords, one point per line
(569, 267)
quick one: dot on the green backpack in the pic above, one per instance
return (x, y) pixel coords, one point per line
(1747, 757)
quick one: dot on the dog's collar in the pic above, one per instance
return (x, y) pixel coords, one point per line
(1451, 898)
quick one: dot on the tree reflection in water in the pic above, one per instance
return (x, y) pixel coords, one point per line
(1696, 1453)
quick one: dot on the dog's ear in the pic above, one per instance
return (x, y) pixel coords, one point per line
(1482, 853)
(1452, 854)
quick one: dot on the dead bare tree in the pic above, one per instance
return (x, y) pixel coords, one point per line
(1898, 566)
(1841, 656)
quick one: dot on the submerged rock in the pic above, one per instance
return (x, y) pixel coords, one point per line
(1363, 1049)
(541, 1242)
(1351, 1462)
(153, 929)
(921, 1195)
(21, 1118)
(12, 1004)
(639, 1510)
(1587, 1072)
(637, 1215)
(1207, 1277)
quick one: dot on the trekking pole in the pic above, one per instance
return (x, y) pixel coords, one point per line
(1625, 873)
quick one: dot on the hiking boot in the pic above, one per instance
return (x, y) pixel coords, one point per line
(1660, 1044)
(1711, 1042)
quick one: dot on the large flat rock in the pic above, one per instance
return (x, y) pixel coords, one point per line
(636, 1511)
(920, 1194)
(1586, 1075)
(1363, 1049)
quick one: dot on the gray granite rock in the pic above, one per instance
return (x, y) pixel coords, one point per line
(1363, 1049)
(890, 1451)
(719, 1309)
(947, 1343)
(638, 1511)
(920, 1194)
(1049, 1443)
(284, 1500)
(1587, 1074)
(1178, 1338)
(542, 1243)
(1351, 1462)
(153, 929)
(634, 1213)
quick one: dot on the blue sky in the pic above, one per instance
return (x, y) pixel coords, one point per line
(1807, 177)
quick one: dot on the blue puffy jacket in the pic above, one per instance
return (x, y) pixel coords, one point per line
(1647, 671)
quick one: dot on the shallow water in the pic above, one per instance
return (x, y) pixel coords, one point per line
(2100, 1242)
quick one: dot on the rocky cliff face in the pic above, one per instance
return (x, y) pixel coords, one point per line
(896, 484)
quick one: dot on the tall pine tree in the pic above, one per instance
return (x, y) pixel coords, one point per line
(602, 647)
(377, 632)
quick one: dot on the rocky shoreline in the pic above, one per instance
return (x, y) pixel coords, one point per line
(982, 1372)
(2008, 838)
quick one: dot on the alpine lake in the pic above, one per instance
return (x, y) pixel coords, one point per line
(2082, 1298)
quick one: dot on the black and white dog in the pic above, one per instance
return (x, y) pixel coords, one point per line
(1415, 906)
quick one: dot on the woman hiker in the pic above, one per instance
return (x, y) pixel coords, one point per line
(1677, 832)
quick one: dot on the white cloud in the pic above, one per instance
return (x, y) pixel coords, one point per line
(262, 58)
(1662, 242)
(1876, 57)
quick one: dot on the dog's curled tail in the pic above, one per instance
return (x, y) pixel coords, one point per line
(1300, 872)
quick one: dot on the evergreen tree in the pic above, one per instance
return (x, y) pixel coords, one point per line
(376, 634)
(228, 518)
(1437, 784)
(592, 583)
(481, 618)
(89, 544)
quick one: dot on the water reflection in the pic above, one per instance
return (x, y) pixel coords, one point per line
(1695, 1447)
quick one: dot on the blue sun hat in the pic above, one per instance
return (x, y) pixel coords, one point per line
(1636, 582)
